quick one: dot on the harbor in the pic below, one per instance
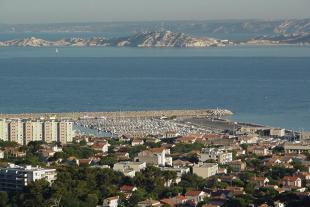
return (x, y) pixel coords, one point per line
(122, 114)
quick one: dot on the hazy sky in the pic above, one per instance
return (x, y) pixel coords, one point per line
(43, 11)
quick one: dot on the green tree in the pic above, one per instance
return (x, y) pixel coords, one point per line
(277, 150)
(244, 146)
(4, 199)
(185, 148)
(92, 200)
(37, 194)
(137, 196)
(133, 151)
(108, 160)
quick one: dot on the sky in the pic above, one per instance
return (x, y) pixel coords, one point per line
(52, 11)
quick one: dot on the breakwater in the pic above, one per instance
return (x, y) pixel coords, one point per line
(122, 114)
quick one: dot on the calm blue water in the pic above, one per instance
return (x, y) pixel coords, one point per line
(267, 85)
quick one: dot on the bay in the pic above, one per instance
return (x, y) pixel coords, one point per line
(266, 85)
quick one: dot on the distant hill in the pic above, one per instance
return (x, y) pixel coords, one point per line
(145, 39)
(303, 38)
(157, 39)
(224, 29)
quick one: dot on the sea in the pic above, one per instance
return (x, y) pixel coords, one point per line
(267, 85)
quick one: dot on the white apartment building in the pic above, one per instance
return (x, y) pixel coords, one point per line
(4, 134)
(136, 166)
(276, 132)
(110, 202)
(37, 131)
(25, 131)
(50, 129)
(155, 156)
(15, 178)
(33, 131)
(16, 131)
(217, 154)
(205, 170)
(65, 132)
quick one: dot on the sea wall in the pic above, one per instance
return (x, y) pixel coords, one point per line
(123, 114)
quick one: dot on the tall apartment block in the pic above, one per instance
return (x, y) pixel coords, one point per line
(33, 131)
(50, 131)
(65, 132)
(25, 131)
(4, 126)
(16, 131)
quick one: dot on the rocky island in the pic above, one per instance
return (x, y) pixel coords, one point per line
(144, 39)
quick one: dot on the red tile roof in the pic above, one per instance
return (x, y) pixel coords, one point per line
(291, 178)
(193, 193)
(127, 188)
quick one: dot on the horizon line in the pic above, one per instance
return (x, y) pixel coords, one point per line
(154, 21)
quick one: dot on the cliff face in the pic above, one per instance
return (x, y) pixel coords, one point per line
(166, 39)
(147, 39)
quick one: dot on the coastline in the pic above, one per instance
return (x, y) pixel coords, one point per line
(123, 114)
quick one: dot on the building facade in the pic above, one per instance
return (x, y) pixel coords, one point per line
(16, 131)
(205, 170)
(4, 134)
(15, 178)
(50, 129)
(25, 131)
(216, 154)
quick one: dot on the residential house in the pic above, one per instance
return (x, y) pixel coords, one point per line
(278, 204)
(260, 181)
(124, 138)
(291, 182)
(186, 139)
(237, 166)
(170, 134)
(111, 202)
(236, 190)
(217, 154)
(129, 168)
(101, 146)
(182, 163)
(14, 152)
(152, 139)
(248, 139)
(122, 155)
(154, 156)
(175, 201)
(210, 205)
(179, 170)
(196, 196)
(260, 151)
(136, 142)
(277, 132)
(149, 203)
(128, 190)
(222, 194)
(136, 166)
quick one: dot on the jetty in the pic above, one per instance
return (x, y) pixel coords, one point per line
(123, 114)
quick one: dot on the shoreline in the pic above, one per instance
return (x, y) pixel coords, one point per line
(122, 114)
(243, 44)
